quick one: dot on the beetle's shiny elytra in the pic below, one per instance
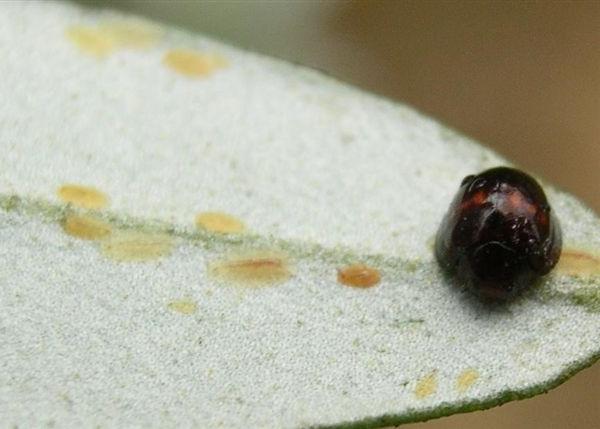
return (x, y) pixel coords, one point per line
(500, 234)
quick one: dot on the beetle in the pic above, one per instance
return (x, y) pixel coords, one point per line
(499, 235)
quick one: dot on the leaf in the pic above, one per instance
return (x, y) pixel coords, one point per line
(261, 256)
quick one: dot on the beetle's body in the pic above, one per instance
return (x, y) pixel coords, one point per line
(500, 234)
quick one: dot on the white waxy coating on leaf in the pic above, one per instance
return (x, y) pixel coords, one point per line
(88, 340)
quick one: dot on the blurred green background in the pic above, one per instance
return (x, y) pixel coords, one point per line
(521, 77)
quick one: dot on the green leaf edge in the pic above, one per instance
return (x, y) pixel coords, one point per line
(479, 405)
(55, 213)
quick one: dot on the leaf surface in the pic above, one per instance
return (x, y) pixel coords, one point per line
(194, 274)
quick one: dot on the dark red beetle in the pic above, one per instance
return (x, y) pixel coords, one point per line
(500, 234)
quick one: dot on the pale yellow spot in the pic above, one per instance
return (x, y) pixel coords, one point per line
(86, 227)
(253, 269)
(578, 263)
(193, 64)
(130, 34)
(426, 386)
(90, 40)
(219, 222)
(136, 246)
(83, 196)
(358, 275)
(183, 306)
(466, 379)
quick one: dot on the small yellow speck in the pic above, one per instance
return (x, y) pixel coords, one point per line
(90, 40)
(130, 34)
(426, 386)
(578, 263)
(253, 269)
(86, 227)
(136, 246)
(83, 196)
(466, 379)
(359, 276)
(219, 222)
(183, 306)
(193, 64)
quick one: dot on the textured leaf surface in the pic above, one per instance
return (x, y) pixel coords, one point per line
(193, 280)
